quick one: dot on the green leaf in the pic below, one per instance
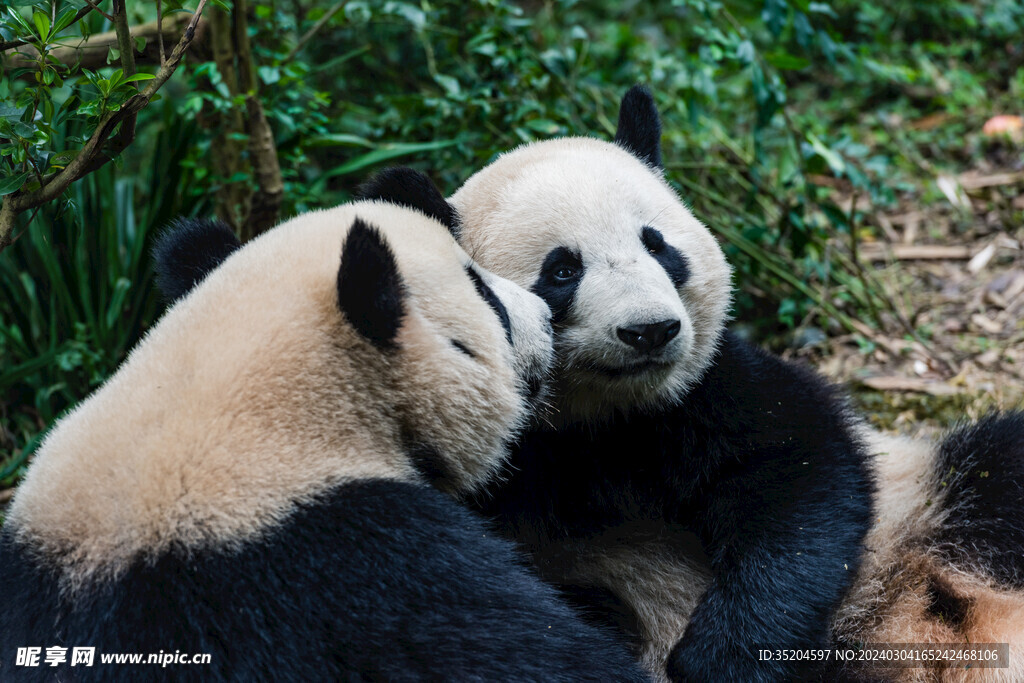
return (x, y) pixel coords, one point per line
(11, 113)
(745, 52)
(834, 161)
(64, 19)
(269, 74)
(12, 183)
(42, 22)
(546, 126)
(21, 22)
(383, 153)
(338, 139)
(786, 61)
(62, 159)
(449, 83)
(121, 288)
(412, 14)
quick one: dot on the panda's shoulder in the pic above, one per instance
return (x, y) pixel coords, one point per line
(748, 386)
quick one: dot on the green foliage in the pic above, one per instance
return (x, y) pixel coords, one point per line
(777, 115)
(35, 113)
(74, 298)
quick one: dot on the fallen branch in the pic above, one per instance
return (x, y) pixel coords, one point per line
(921, 386)
(915, 252)
(974, 181)
(89, 157)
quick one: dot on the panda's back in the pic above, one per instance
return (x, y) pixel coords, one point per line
(376, 573)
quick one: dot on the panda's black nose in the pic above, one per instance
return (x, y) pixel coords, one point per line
(649, 337)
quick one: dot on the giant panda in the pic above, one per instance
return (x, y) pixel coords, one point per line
(664, 426)
(703, 496)
(269, 479)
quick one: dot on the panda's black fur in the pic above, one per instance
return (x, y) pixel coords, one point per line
(194, 247)
(983, 473)
(373, 578)
(383, 580)
(414, 190)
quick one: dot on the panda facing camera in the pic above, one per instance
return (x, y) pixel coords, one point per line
(705, 497)
(271, 476)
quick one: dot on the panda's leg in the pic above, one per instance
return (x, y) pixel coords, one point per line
(778, 576)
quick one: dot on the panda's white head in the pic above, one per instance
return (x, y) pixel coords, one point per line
(352, 343)
(639, 288)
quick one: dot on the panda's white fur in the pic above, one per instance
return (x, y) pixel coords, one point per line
(254, 481)
(552, 192)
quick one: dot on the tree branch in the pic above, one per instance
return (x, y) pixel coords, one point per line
(85, 160)
(308, 35)
(126, 48)
(232, 197)
(266, 201)
(160, 31)
(96, 7)
(91, 52)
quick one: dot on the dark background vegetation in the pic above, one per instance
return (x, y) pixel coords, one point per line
(790, 126)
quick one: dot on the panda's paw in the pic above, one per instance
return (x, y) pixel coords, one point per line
(722, 659)
(683, 665)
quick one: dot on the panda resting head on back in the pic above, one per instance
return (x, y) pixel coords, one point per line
(259, 481)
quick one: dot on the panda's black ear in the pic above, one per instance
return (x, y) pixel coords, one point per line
(371, 295)
(639, 130)
(188, 251)
(414, 190)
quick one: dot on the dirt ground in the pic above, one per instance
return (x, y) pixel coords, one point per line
(954, 272)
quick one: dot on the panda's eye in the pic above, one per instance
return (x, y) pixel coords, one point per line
(652, 239)
(562, 268)
(462, 347)
(565, 273)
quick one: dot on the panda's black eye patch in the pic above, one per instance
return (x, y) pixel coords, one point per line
(488, 295)
(559, 278)
(462, 347)
(653, 240)
(670, 258)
